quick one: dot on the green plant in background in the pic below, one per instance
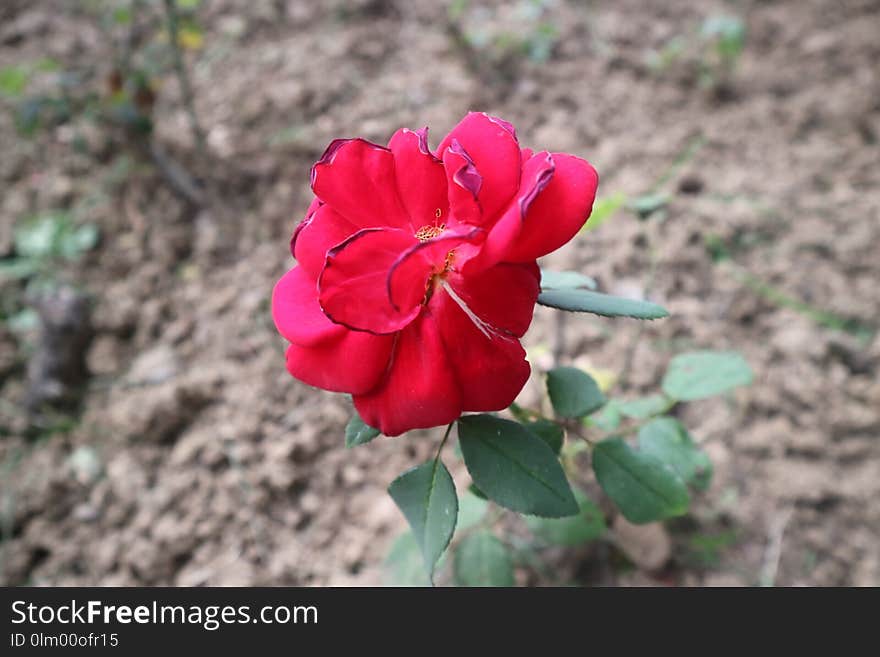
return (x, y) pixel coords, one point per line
(14, 80)
(669, 54)
(723, 42)
(147, 41)
(525, 30)
(32, 110)
(650, 205)
(123, 94)
(714, 49)
(41, 244)
(43, 241)
(704, 550)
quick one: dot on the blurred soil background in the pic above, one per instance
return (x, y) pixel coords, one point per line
(149, 433)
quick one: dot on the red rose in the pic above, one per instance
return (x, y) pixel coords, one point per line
(416, 270)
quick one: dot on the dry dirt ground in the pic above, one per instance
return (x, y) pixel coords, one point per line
(196, 459)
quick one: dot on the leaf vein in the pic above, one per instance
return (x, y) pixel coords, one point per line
(669, 501)
(524, 468)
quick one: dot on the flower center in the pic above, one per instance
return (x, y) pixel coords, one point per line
(438, 277)
(428, 232)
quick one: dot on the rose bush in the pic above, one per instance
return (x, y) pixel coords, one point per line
(416, 269)
(416, 277)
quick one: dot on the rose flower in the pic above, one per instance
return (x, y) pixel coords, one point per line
(416, 269)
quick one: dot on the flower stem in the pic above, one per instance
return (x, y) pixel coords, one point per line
(443, 442)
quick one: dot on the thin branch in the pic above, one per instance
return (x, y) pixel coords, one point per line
(172, 21)
(132, 37)
(575, 427)
(181, 182)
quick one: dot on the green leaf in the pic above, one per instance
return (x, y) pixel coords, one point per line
(426, 495)
(23, 321)
(32, 111)
(573, 392)
(122, 15)
(645, 206)
(13, 80)
(482, 560)
(666, 439)
(47, 65)
(609, 418)
(471, 509)
(587, 301)
(644, 407)
(54, 235)
(404, 565)
(38, 237)
(514, 467)
(603, 210)
(74, 242)
(18, 268)
(587, 525)
(702, 374)
(565, 280)
(550, 432)
(642, 487)
(730, 32)
(358, 432)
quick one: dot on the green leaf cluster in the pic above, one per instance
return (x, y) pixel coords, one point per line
(43, 240)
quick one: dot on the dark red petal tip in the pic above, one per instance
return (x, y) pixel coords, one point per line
(545, 174)
(466, 176)
(422, 134)
(504, 124)
(310, 213)
(333, 148)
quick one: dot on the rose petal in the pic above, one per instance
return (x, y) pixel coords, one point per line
(463, 186)
(296, 312)
(489, 364)
(317, 234)
(421, 178)
(556, 213)
(313, 208)
(420, 390)
(352, 362)
(353, 286)
(503, 296)
(491, 144)
(357, 179)
(502, 239)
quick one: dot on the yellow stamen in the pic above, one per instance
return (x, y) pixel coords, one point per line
(447, 265)
(429, 232)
